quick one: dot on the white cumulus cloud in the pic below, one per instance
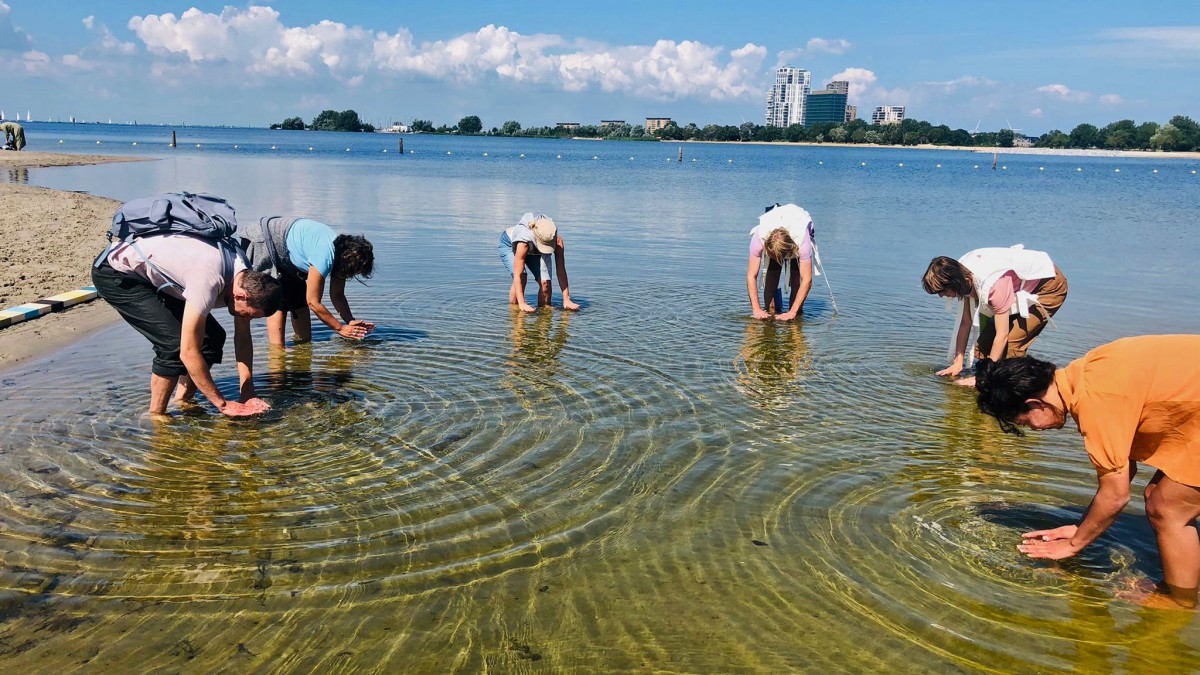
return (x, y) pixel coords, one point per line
(255, 40)
(1111, 99)
(1065, 93)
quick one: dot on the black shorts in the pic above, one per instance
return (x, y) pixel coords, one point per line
(156, 316)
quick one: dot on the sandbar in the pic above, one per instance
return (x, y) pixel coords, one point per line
(48, 240)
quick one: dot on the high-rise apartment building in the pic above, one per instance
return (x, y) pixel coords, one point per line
(825, 106)
(888, 114)
(786, 98)
(840, 86)
(851, 113)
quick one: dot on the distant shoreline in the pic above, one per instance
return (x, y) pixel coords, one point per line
(1064, 152)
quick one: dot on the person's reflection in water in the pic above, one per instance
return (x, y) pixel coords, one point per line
(771, 363)
(18, 174)
(295, 377)
(537, 342)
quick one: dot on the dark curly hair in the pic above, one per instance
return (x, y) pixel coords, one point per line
(1004, 386)
(947, 274)
(353, 256)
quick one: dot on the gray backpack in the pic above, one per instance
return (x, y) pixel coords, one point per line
(199, 215)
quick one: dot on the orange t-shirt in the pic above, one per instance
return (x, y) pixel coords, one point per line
(1138, 399)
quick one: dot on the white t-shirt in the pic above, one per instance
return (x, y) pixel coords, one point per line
(190, 261)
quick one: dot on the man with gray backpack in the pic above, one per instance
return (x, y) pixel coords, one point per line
(170, 262)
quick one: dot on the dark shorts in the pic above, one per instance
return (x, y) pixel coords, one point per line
(157, 317)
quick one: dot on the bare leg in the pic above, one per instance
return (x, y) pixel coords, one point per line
(302, 325)
(276, 327)
(1172, 509)
(160, 393)
(185, 391)
(770, 285)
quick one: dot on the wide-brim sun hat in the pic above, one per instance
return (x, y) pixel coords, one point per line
(545, 234)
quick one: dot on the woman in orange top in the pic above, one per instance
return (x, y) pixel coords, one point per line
(1134, 400)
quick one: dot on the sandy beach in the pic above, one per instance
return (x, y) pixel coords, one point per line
(48, 239)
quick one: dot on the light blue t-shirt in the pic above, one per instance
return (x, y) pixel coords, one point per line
(310, 243)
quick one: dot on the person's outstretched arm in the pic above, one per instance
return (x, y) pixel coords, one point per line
(960, 341)
(560, 265)
(243, 348)
(190, 339)
(337, 297)
(752, 269)
(353, 330)
(517, 290)
(1063, 542)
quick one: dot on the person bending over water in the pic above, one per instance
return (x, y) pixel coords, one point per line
(1020, 290)
(1134, 400)
(533, 246)
(166, 286)
(303, 254)
(783, 238)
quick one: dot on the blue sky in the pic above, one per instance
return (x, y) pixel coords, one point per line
(1034, 65)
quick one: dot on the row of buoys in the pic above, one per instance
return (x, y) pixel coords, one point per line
(595, 157)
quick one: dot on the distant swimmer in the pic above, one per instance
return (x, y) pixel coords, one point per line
(14, 136)
(534, 246)
(781, 246)
(304, 254)
(1020, 290)
(1134, 400)
(165, 271)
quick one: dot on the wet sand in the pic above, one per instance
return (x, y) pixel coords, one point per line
(48, 239)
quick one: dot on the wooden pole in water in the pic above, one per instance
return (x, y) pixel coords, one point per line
(680, 153)
(995, 156)
(172, 138)
(401, 139)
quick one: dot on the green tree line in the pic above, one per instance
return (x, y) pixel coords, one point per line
(1180, 133)
(328, 120)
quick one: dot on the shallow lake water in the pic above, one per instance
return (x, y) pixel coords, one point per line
(657, 482)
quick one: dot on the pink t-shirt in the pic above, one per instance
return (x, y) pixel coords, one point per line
(756, 247)
(1004, 291)
(192, 262)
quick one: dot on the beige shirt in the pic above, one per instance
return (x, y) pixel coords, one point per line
(194, 263)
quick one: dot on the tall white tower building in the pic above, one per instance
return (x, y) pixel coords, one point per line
(786, 98)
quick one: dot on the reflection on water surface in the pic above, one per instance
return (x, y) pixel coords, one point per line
(657, 482)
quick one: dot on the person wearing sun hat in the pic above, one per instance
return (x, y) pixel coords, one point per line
(533, 246)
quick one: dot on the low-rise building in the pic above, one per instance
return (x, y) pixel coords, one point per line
(612, 123)
(569, 126)
(851, 112)
(655, 123)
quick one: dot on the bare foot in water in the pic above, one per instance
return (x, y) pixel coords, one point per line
(965, 381)
(1148, 594)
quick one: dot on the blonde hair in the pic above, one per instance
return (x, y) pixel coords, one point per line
(779, 245)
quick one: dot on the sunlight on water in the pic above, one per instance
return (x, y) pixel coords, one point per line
(656, 482)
